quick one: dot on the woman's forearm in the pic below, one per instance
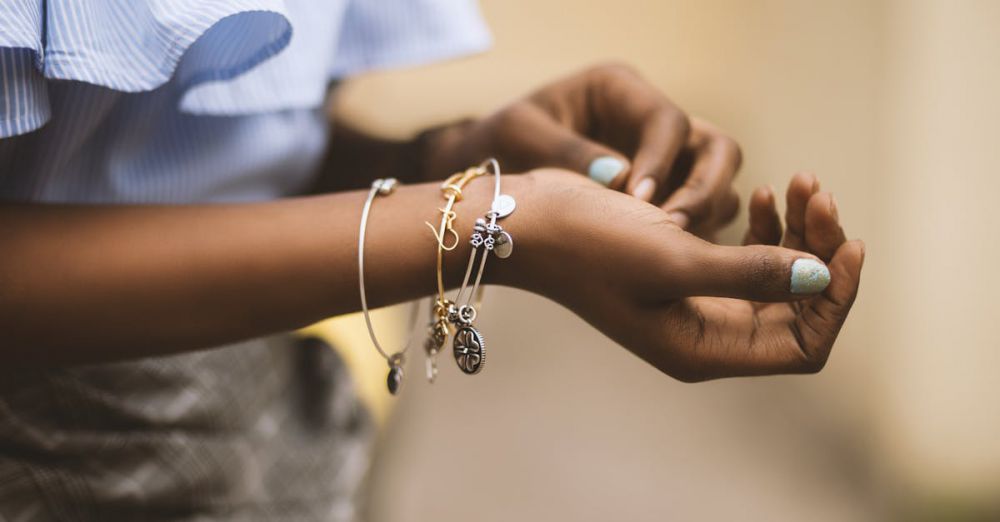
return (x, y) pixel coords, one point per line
(93, 283)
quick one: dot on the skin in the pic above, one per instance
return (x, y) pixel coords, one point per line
(99, 283)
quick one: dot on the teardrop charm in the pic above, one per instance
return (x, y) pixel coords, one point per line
(504, 245)
(394, 380)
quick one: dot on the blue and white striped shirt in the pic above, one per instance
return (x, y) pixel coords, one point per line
(192, 100)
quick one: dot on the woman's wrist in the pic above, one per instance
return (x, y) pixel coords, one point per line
(529, 227)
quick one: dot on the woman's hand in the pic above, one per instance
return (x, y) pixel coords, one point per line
(693, 309)
(609, 123)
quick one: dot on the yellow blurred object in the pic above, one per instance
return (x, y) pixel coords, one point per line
(349, 337)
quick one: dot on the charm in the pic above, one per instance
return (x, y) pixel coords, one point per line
(503, 206)
(395, 379)
(386, 186)
(437, 334)
(432, 369)
(504, 245)
(470, 350)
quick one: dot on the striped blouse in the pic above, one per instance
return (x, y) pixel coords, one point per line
(178, 101)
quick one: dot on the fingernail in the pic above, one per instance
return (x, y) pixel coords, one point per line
(833, 208)
(604, 169)
(645, 189)
(809, 276)
(680, 218)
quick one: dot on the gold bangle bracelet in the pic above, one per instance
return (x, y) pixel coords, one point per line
(440, 328)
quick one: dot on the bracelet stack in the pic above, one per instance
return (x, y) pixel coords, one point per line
(449, 318)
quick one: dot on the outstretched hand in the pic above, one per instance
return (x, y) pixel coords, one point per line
(694, 309)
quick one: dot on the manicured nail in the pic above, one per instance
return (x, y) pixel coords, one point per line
(680, 218)
(809, 276)
(604, 169)
(645, 189)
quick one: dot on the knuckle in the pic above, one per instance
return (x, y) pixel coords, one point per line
(679, 121)
(511, 115)
(762, 270)
(614, 68)
(695, 202)
(733, 152)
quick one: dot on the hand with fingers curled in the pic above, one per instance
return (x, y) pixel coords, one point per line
(693, 309)
(610, 124)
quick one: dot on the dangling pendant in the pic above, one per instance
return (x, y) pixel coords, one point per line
(394, 381)
(504, 245)
(437, 334)
(470, 349)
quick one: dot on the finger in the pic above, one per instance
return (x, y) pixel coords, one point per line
(765, 224)
(817, 325)
(550, 143)
(823, 233)
(716, 162)
(663, 135)
(800, 189)
(756, 272)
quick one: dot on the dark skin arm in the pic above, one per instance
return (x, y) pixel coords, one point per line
(90, 284)
(96, 283)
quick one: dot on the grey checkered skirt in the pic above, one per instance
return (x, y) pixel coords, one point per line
(268, 429)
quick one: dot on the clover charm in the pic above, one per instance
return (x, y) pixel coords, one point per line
(470, 350)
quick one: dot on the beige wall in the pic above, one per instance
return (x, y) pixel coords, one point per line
(894, 105)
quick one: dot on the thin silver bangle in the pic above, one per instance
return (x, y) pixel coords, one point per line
(394, 380)
(469, 346)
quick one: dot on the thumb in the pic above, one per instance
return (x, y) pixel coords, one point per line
(756, 272)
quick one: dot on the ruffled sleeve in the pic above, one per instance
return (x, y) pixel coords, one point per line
(24, 101)
(128, 46)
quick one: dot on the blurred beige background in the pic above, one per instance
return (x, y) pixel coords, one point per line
(894, 105)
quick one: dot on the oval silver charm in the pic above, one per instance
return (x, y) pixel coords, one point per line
(470, 350)
(504, 246)
(394, 381)
(503, 206)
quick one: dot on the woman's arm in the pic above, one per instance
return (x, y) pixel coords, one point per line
(94, 283)
(86, 284)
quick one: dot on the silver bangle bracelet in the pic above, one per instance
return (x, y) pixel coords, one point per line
(394, 380)
(468, 344)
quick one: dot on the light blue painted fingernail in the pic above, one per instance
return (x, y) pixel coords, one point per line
(604, 169)
(809, 276)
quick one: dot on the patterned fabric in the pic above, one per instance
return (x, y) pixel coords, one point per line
(263, 430)
(183, 101)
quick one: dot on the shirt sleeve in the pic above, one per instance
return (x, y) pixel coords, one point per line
(24, 102)
(396, 33)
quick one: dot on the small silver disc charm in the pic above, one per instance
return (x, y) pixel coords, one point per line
(504, 206)
(470, 350)
(504, 246)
